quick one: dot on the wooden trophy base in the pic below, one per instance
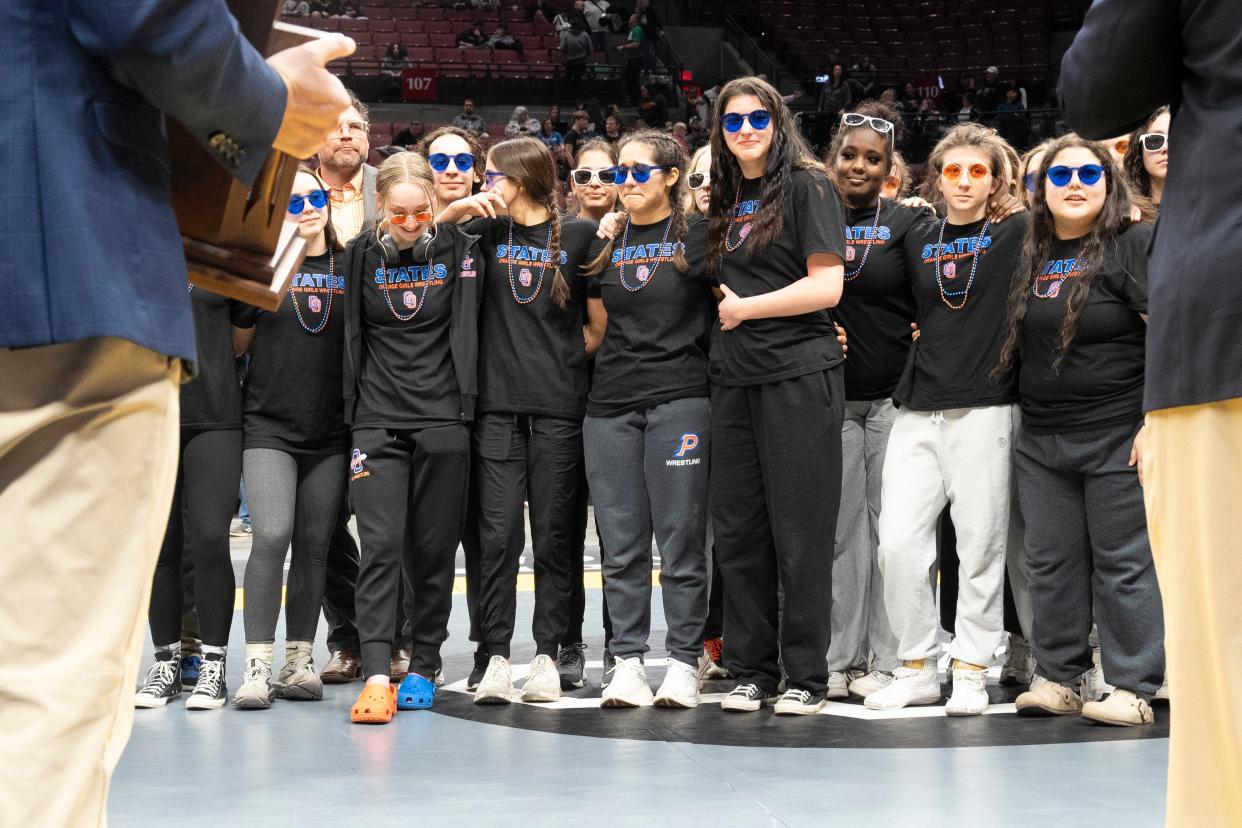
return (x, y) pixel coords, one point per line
(247, 277)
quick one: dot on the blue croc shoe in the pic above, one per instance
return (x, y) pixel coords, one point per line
(416, 693)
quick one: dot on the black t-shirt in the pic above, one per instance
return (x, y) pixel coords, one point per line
(292, 398)
(659, 321)
(877, 305)
(1100, 379)
(951, 363)
(212, 400)
(767, 350)
(407, 378)
(532, 358)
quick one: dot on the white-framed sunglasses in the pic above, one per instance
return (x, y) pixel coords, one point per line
(855, 119)
(584, 177)
(698, 180)
(1154, 141)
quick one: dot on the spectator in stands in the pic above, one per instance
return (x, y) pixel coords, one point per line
(910, 99)
(596, 12)
(550, 137)
(681, 136)
(325, 8)
(612, 129)
(410, 134)
(705, 104)
(503, 40)
(574, 19)
(351, 9)
(554, 115)
(395, 61)
(636, 57)
(575, 48)
(521, 123)
(472, 38)
(864, 79)
(648, 19)
(990, 93)
(469, 120)
(296, 8)
(541, 11)
(698, 134)
(837, 94)
(485, 5)
(579, 131)
(969, 111)
(1011, 119)
(652, 107)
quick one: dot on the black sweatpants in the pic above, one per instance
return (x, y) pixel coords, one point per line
(776, 491)
(1086, 543)
(541, 458)
(408, 489)
(577, 588)
(202, 510)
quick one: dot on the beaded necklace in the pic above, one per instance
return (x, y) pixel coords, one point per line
(974, 266)
(746, 228)
(625, 243)
(854, 274)
(543, 265)
(293, 297)
(422, 299)
(1054, 289)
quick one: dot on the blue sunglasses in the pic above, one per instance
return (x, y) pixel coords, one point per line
(317, 198)
(1028, 181)
(759, 120)
(641, 172)
(1088, 174)
(439, 161)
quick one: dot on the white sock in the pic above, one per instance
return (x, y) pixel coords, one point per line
(298, 651)
(211, 653)
(260, 652)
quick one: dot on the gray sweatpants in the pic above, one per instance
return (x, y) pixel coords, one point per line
(648, 473)
(862, 637)
(1086, 540)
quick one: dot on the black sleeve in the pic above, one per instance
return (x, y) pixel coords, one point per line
(1124, 63)
(818, 215)
(1132, 251)
(478, 226)
(244, 316)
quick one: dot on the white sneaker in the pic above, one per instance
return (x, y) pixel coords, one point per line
(1019, 663)
(544, 683)
(909, 686)
(838, 686)
(497, 684)
(628, 687)
(799, 703)
(680, 687)
(257, 691)
(1092, 686)
(298, 680)
(970, 693)
(864, 686)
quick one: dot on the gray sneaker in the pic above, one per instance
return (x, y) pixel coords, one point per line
(299, 681)
(571, 664)
(257, 691)
(610, 667)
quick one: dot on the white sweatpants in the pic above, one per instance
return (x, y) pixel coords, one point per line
(963, 457)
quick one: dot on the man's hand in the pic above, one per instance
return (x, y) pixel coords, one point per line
(316, 98)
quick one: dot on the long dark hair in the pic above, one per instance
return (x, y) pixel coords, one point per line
(665, 151)
(874, 109)
(529, 162)
(1136, 171)
(789, 151)
(1041, 237)
(329, 232)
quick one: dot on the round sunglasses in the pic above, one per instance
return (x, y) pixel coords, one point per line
(491, 177)
(641, 172)
(1088, 174)
(759, 120)
(953, 172)
(410, 220)
(1154, 141)
(698, 180)
(439, 161)
(583, 177)
(317, 199)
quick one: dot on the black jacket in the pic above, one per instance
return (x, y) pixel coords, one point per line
(362, 257)
(1131, 57)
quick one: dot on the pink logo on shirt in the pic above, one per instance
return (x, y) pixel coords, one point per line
(316, 304)
(526, 277)
(409, 299)
(949, 270)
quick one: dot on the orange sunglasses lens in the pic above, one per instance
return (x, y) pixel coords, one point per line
(1122, 147)
(953, 172)
(410, 220)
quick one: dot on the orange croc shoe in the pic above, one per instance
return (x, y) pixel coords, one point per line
(377, 704)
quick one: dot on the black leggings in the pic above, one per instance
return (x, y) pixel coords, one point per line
(202, 509)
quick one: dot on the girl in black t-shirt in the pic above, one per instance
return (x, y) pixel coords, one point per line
(648, 426)
(293, 456)
(1077, 330)
(776, 248)
(411, 341)
(532, 396)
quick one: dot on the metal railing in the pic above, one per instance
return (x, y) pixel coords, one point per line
(749, 50)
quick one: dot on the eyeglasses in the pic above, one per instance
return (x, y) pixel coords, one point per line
(759, 120)
(698, 180)
(641, 172)
(1088, 174)
(1154, 141)
(953, 172)
(352, 127)
(1121, 146)
(583, 177)
(491, 177)
(1028, 181)
(854, 119)
(439, 161)
(317, 198)
(410, 220)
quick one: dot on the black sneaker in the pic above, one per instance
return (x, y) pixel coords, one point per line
(610, 664)
(480, 667)
(163, 682)
(211, 692)
(800, 703)
(747, 698)
(571, 664)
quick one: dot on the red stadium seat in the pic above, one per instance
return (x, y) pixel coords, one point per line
(422, 54)
(442, 40)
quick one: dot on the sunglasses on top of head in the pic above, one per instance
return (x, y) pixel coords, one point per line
(759, 120)
(439, 161)
(854, 119)
(410, 220)
(1088, 174)
(1154, 141)
(641, 172)
(317, 199)
(698, 180)
(953, 172)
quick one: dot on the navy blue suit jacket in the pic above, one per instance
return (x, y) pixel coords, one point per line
(91, 246)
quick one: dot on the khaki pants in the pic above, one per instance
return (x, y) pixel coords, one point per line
(88, 456)
(1192, 467)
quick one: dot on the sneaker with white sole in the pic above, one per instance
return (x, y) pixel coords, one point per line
(211, 692)
(480, 668)
(1092, 686)
(497, 684)
(864, 686)
(711, 662)
(838, 686)
(1048, 698)
(610, 667)
(747, 698)
(257, 691)
(163, 683)
(1121, 708)
(970, 693)
(909, 686)
(1019, 667)
(571, 664)
(628, 687)
(299, 681)
(543, 684)
(799, 703)
(680, 687)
